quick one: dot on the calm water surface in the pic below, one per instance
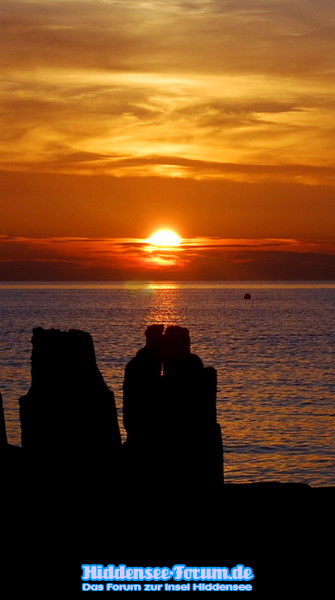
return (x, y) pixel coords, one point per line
(274, 355)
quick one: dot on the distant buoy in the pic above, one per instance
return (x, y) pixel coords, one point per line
(247, 297)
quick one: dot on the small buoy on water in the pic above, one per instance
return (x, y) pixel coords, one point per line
(247, 297)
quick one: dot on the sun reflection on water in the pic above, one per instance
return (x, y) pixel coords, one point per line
(165, 306)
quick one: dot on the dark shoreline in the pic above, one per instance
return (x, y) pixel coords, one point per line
(53, 521)
(15, 462)
(74, 490)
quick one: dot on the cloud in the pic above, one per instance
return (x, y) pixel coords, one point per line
(184, 37)
(204, 258)
(198, 168)
(229, 82)
(188, 102)
(48, 125)
(100, 205)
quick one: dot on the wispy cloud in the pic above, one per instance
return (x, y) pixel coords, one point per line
(214, 117)
(123, 257)
(208, 81)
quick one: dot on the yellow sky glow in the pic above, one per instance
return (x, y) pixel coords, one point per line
(212, 116)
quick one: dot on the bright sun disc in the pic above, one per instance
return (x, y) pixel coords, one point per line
(165, 237)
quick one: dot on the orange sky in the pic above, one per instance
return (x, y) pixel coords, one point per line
(214, 118)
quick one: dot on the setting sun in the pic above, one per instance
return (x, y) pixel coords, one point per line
(165, 237)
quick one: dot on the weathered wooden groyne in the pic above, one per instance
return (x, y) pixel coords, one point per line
(71, 434)
(73, 493)
(69, 423)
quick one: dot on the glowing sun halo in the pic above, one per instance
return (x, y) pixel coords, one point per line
(165, 237)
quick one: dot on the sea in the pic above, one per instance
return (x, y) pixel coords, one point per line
(274, 354)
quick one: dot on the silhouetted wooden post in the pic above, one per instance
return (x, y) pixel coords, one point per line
(189, 432)
(69, 414)
(141, 402)
(215, 468)
(12, 471)
(3, 435)
(173, 436)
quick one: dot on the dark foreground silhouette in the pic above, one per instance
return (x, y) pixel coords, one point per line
(170, 419)
(69, 414)
(70, 429)
(74, 494)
